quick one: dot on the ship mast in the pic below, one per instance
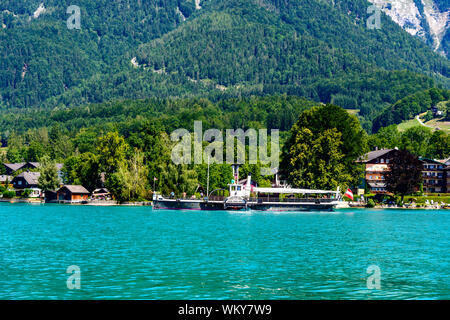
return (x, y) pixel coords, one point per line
(207, 182)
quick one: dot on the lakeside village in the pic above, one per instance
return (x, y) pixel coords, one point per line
(20, 184)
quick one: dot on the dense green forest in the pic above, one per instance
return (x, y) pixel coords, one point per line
(272, 112)
(129, 141)
(320, 50)
(106, 137)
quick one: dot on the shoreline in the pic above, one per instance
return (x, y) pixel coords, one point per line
(95, 204)
(150, 204)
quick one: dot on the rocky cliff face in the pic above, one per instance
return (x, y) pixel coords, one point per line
(426, 19)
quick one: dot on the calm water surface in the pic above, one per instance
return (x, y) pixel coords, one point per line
(137, 253)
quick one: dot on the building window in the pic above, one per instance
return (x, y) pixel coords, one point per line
(382, 160)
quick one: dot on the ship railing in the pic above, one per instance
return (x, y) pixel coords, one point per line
(278, 200)
(211, 198)
(216, 198)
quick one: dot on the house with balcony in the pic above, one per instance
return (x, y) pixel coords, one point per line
(447, 171)
(435, 173)
(376, 163)
(434, 176)
(27, 180)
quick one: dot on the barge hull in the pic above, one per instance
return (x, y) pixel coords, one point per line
(291, 207)
(187, 205)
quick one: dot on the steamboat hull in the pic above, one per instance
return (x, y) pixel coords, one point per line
(173, 204)
(291, 207)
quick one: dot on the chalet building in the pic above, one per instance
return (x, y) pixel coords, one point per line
(27, 180)
(72, 194)
(377, 163)
(447, 170)
(434, 176)
(102, 194)
(446, 164)
(436, 112)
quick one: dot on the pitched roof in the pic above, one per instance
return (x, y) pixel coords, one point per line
(34, 164)
(428, 160)
(38, 164)
(75, 189)
(17, 166)
(374, 154)
(14, 166)
(101, 191)
(30, 177)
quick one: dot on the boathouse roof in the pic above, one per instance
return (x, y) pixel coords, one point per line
(75, 189)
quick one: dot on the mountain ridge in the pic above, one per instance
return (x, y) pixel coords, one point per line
(427, 19)
(223, 49)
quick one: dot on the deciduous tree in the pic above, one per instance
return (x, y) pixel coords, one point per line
(322, 149)
(405, 174)
(48, 179)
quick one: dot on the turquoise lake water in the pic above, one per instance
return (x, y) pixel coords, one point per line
(140, 253)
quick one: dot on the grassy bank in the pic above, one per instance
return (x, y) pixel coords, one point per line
(423, 199)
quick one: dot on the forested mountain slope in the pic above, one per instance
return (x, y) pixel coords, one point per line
(319, 49)
(42, 58)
